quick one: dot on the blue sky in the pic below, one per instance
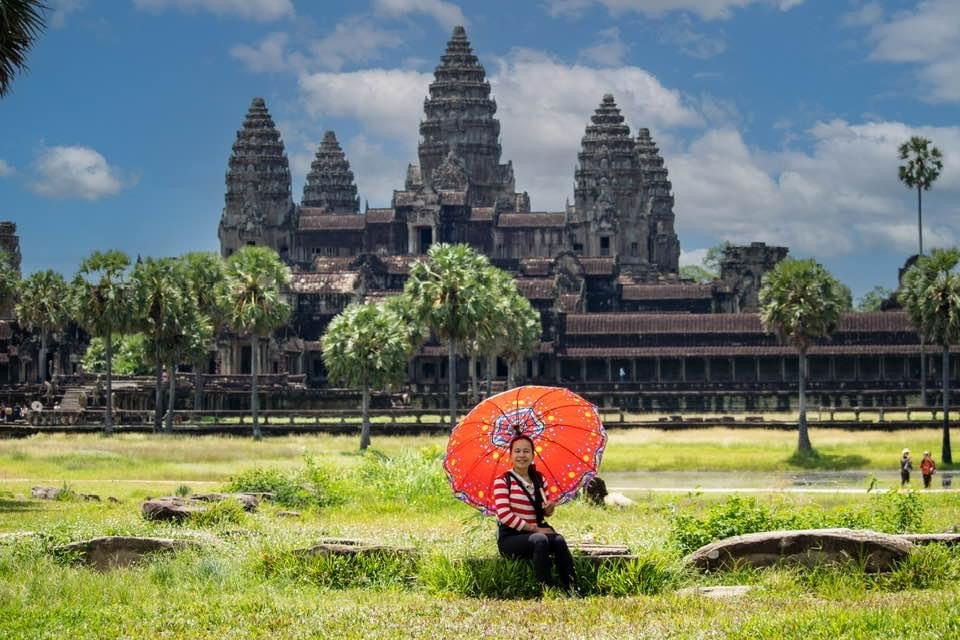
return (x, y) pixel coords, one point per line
(778, 119)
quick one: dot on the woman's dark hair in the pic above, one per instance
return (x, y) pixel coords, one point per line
(517, 439)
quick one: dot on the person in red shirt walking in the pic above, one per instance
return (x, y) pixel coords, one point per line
(927, 468)
(521, 508)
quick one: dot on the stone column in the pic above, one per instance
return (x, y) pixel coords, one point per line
(659, 377)
(583, 369)
(609, 371)
(683, 369)
(633, 370)
(706, 369)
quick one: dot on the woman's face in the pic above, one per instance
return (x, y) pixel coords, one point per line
(521, 454)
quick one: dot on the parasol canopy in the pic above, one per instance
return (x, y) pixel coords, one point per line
(568, 441)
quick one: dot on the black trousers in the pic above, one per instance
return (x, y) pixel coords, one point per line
(539, 547)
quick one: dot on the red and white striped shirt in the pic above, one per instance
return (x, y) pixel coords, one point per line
(514, 509)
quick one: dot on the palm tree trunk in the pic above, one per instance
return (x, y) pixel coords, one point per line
(42, 369)
(946, 455)
(197, 391)
(491, 365)
(108, 414)
(253, 386)
(803, 440)
(923, 373)
(920, 218)
(158, 399)
(474, 382)
(171, 396)
(452, 379)
(365, 424)
(923, 355)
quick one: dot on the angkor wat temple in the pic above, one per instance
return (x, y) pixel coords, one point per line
(603, 272)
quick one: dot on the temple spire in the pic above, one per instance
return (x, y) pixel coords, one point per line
(607, 160)
(330, 182)
(459, 128)
(258, 208)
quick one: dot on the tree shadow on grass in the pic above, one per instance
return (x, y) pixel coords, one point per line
(826, 461)
(8, 505)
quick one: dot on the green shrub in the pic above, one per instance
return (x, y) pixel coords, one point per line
(737, 516)
(183, 491)
(227, 511)
(410, 477)
(382, 570)
(313, 486)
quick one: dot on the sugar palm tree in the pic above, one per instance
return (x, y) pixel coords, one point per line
(366, 346)
(801, 302)
(931, 296)
(451, 293)
(9, 280)
(102, 303)
(206, 282)
(158, 291)
(924, 162)
(522, 335)
(21, 22)
(186, 339)
(43, 307)
(255, 278)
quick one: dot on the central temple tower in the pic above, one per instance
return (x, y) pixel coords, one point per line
(460, 139)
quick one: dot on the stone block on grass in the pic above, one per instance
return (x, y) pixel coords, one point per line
(809, 547)
(112, 552)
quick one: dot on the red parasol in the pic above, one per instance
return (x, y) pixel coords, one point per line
(567, 434)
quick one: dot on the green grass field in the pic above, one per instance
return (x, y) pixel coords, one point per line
(244, 581)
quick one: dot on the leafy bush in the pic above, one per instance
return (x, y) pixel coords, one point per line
(889, 512)
(219, 513)
(377, 570)
(737, 516)
(313, 486)
(410, 477)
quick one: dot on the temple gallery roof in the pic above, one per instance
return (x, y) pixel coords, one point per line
(640, 323)
(667, 291)
(739, 350)
(527, 220)
(343, 282)
(316, 220)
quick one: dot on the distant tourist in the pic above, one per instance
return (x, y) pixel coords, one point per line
(927, 468)
(623, 374)
(906, 466)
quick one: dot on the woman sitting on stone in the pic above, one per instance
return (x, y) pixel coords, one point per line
(521, 511)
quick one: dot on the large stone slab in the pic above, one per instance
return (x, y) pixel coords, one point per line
(346, 547)
(949, 539)
(249, 501)
(809, 547)
(112, 552)
(170, 508)
(45, 493)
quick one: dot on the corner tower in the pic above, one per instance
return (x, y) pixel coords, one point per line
(664, 247)
(330, 184)
(459, 147)
(258, 208)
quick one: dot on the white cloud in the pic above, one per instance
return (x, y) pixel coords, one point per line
(445, 13)
(75, 172)
(540, 130)
(261, 10)
(269, 55)
(6, 169)
(62, 9)
(840, 198)
(869, 14)
(690, 42)
(353, 40)
(705, 9)
(692, 257)
(386, 102)
(609, 51)
(928, 36)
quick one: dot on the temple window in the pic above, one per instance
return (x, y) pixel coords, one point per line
(634, 248)
(605, 246)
